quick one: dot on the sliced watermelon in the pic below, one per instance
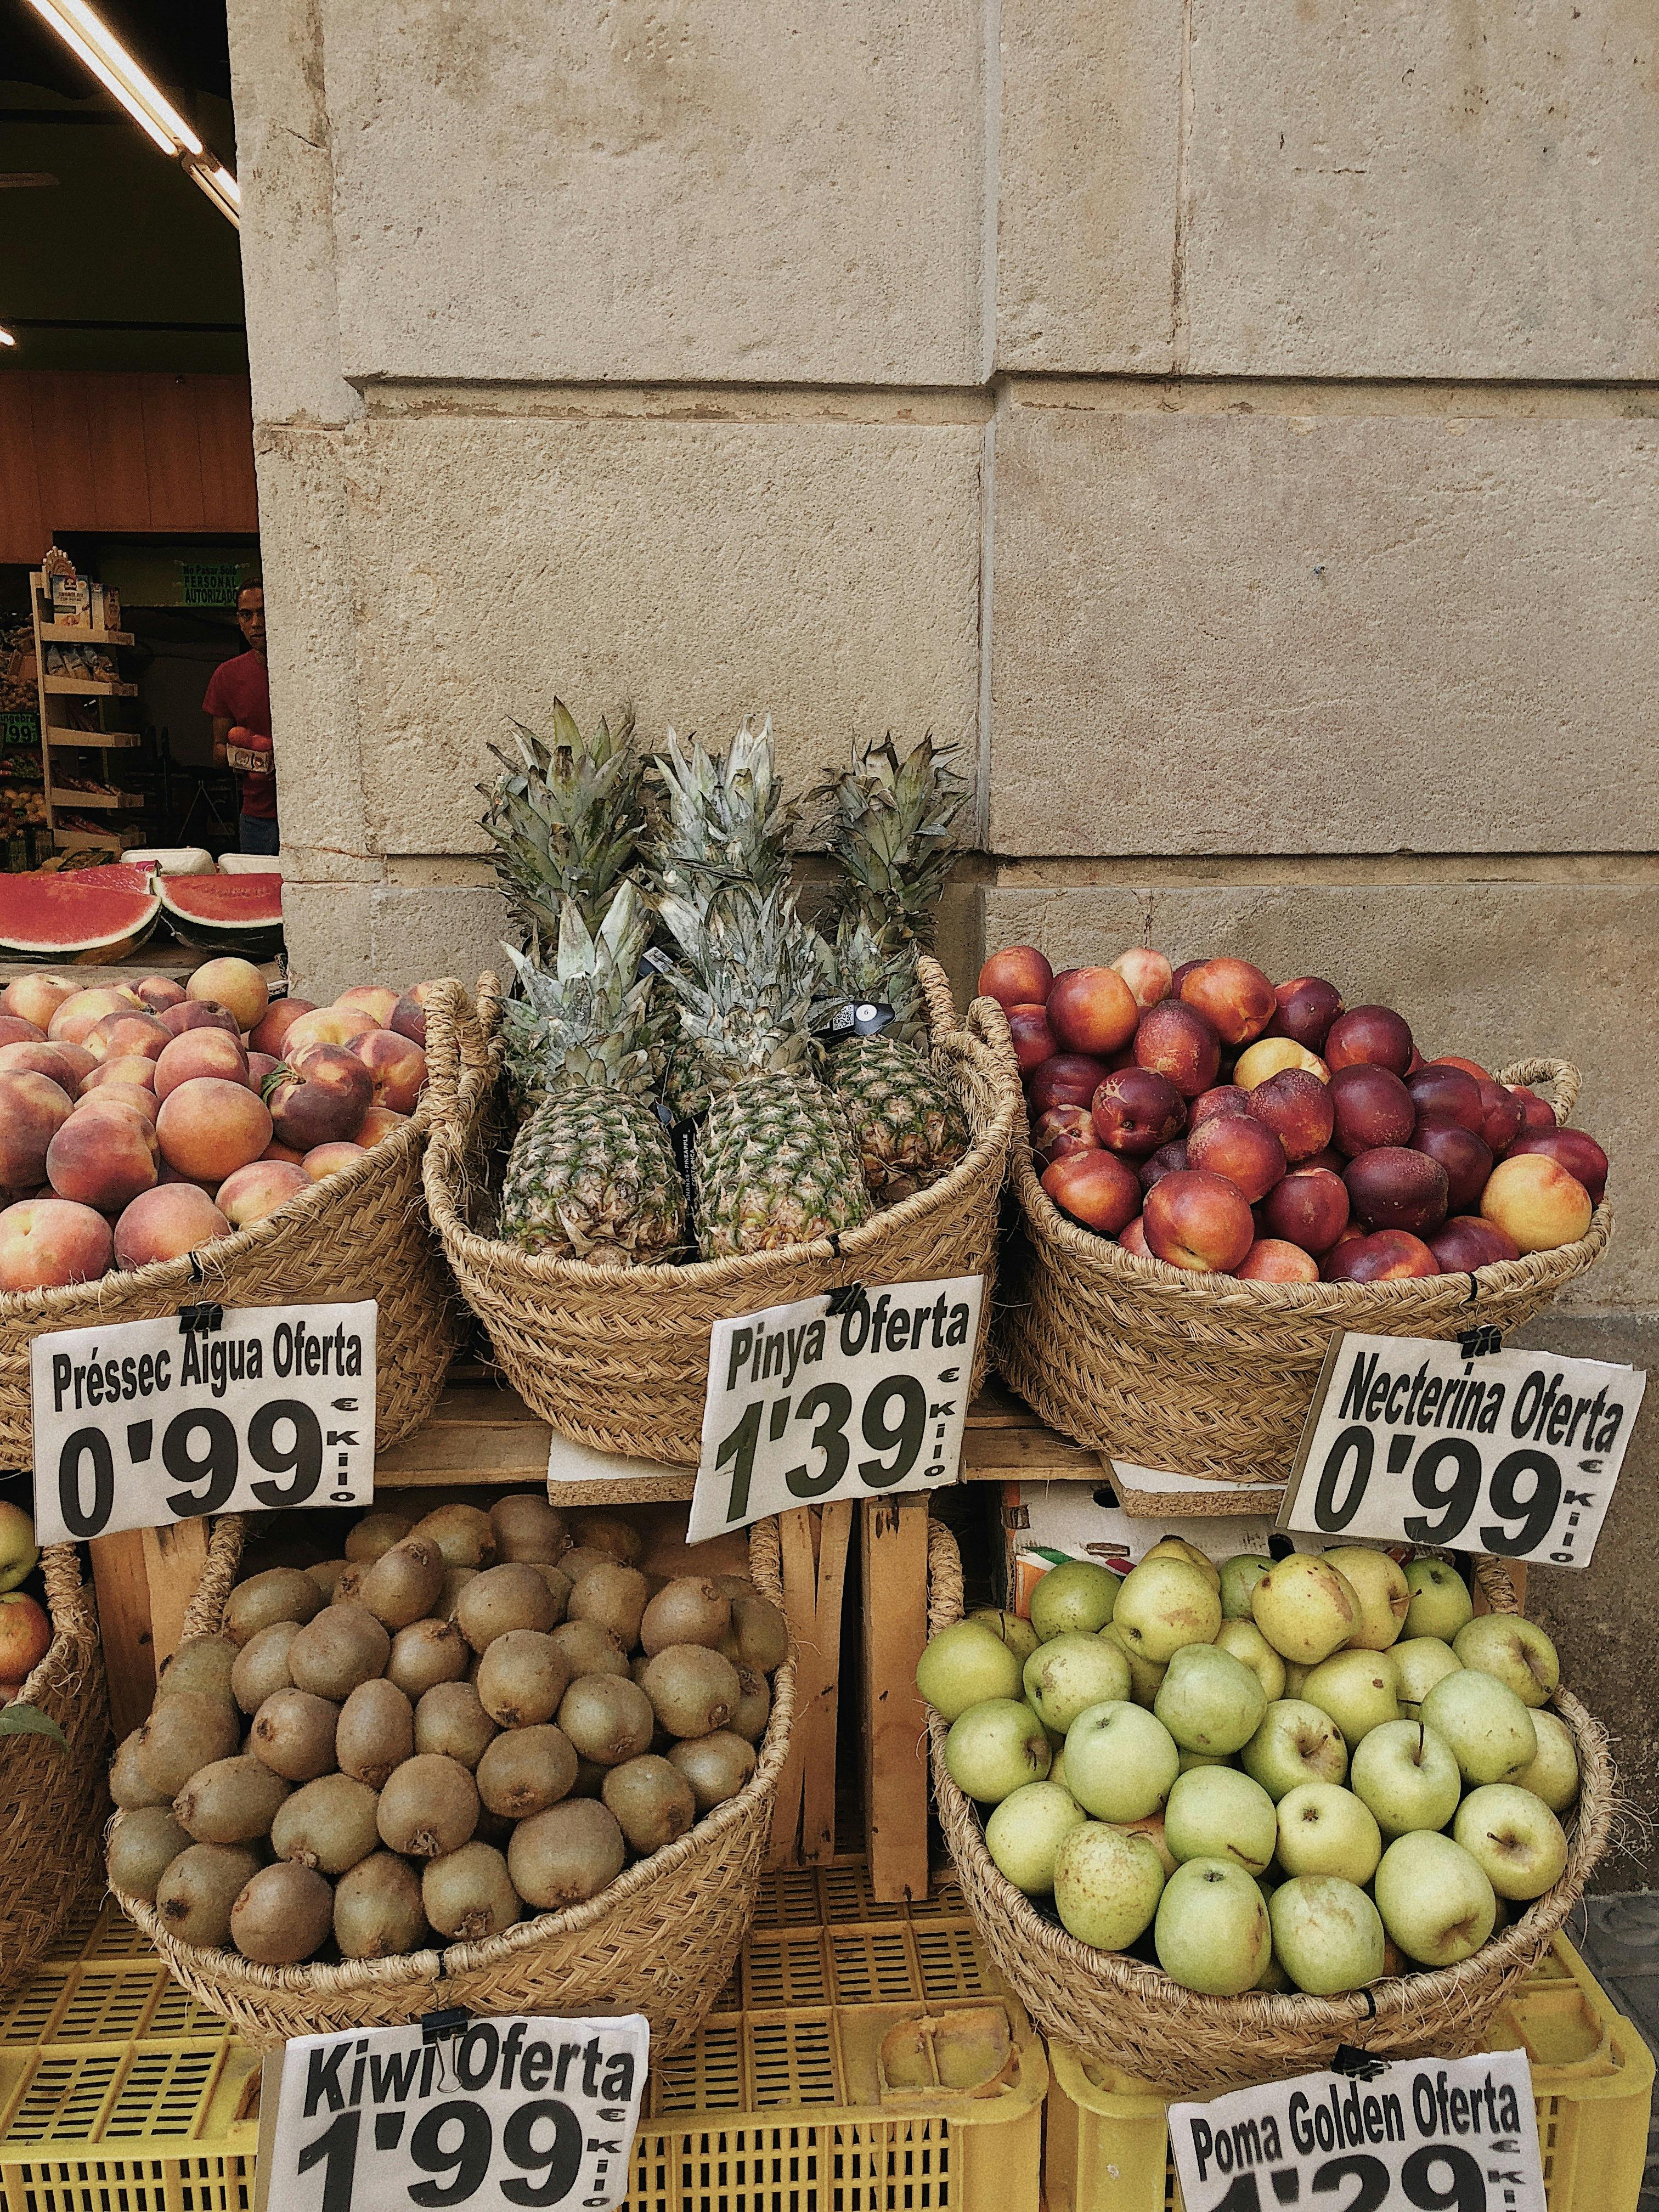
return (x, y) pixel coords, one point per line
(78, 914)
(226, 914)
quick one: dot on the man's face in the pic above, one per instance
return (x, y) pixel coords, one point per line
(251, 617)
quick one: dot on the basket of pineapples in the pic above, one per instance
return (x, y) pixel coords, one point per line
(689, 1104)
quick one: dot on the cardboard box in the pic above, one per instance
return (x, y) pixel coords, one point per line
(71, 601)
(106, 607)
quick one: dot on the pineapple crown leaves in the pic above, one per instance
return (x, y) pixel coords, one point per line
(878, 964)
(566, 819)
(888, 822)
(726, 821)
(586, 1023)
(752, 972)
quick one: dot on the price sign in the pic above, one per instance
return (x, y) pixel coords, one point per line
(1511, 1452)
(493, 2114)
(156, 1421)
(849, 1394)
(1444, 2134)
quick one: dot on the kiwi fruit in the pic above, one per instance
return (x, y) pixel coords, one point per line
(565, 1855)
(127, 1785)
(557, 1581)
(590, 1650)
(283, 1915)
(143, 1846)
(614, 1596)
(375, 1533)
(525, 1771)
(469, 1895)
(521, 1678)
(503, 1598)
(450, 1720)
(261, 1665)
(234, 1800)
(579, 1560)
(608, 1533)
(758, 1637)
(375, 1733)
(292, 1734)
(344, 1645)
(279, 1593)
(329, 1824)
(376, 1909)
(590, 1779)
(637, 1665)
(350, 1581)
(464, 1534)
(405, 1584)
(427, 1651)
(754, 1708)
(717, 1766)
(528, 1528)
(693, 1690)
(185, 1731)
(326, 1575)
(606, 1718)
(429, 1807)
(688, 1610)
(455, 1581)
(202, 1663)
(733, 1585)
(651, 1800)
(194, 1896)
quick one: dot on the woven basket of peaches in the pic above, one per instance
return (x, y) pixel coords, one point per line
(1218, 1174)
(165, 1143)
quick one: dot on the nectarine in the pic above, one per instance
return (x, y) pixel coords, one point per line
(1062, 1129)
(1034, 1041)
(1147, 974)
(1069, 1078)
(1271, 1260)
(1298, 1107)
(1466, 1159)
(1018, 975)
(1234, 996)
(1536, 1113)
(1309, 1209)
(1305, 1007)
(1168, 1159)
(1176, 1041)
(1393, 1187)
(1240, 1148)
(1132, 1238)
(1368, 1037)
(1221, 1098)
(1574, 1149)
(1502, 1116)
(1092, 1010)
(1466, 1243)
(1269, 1057)
(1096, 1188)
(1198, 1220)
(1536, 1202)
(1136, 1110)
(1371, 1107)
(1447, 1094)
(1388, 1255)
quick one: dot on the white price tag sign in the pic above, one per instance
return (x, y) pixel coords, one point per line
(1444, 2134)
(492, 2115)
(807, 1404)
(1512, 1452)
(149, 1422)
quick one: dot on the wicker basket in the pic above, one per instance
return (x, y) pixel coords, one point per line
(1130, 2015)
(659, 1941)
(618, 1359)
(54, 1798)
(1203, 1375)
(360, 1233)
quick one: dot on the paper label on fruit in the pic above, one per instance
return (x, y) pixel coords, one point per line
(1515, 1453)
(1430, 2132)
(853, 1394)
(233, 1409)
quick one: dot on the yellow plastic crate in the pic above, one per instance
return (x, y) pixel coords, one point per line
(1108, 2145)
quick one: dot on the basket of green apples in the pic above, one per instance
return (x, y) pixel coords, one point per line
(1213, 1822)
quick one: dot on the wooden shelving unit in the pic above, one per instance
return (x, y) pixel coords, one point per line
(58, 738)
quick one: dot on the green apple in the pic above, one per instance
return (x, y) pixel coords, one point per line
(1356, 1688)
(1210, 1701)
(964, 1665)
(1020, 1636)
(1152, 1828)
(1420, 1661)
(1440, 1600)
(1384, 1594)
(1490, 1732)
(1192, 1758)
(1514, 1651)
(1434, 1900)
(1145, 1676)
(1514, 1837)
(1057, 1767)
(1239, 1576)
(1212, 1932)
(1245, 1641)
(1306, 1609)
(1075, 1595)
(1325, 1829)
(1295, 1675)
(1553, 1775)
(1119, 1761)
(1177, 1548)
(18, 1552)
(995, 1747)
(1107, 1885)
(1070, 1671)
(1295, 1742)
(1217, 1812)
(1164, 1604)
(1327, 1935)
(1026, 1830)
(1405, 1773)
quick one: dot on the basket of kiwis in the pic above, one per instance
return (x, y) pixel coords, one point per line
(474, 1763)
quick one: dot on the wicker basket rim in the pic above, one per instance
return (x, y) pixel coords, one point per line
(74, 1622)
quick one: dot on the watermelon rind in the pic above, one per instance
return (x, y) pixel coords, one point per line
(77, 915)
(226, 913)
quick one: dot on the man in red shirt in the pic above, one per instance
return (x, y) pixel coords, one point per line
(239, 699)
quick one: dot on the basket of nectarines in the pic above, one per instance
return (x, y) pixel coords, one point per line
(1218, 1174)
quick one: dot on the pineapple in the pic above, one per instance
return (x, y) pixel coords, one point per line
(775, 1165)
(566, 820)
(591, 1175)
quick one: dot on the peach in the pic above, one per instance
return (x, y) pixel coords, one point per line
(1092, 1010)
(1389, 1255)
(1305, 1008)
(1298, 1107)
(378, 1123)
(166, 1223)
(1465, 1158)
(46, 1242)
(1371, 1106)
(1468, 1066)
(1234, 996)
(1536, 1202)
(1223, 1098)
(1391, 1186)
(260, 1069)
(325, 1097)
(138, 1073)
(409, 1019)
(103, 1156)
(1271, 1260)
(1466, 1243)
(132, 1095)
(127, 1035)
(167, 1175)
(1368, 1037)
(1133, 1238)
(1033, 1040)
(1147, 973)
(422, 993)
(1018, 975)
(1177, 1041)
(276, 1151)
(200, 1053)
(208, 1127)
(327, 1159)
(1168, 1159)
(14, 1031)
(1576, 1150)
(1501, 1124)
(1275, 1056)
(62, 1063)
(1447, 1094)
(157, 993)
(32, 1109)
(335, 1025)
(1137, 1110)
(1061, 1129)
(1240, 1148)
(1310, 1208)
(1096, 1188)
(374, 999)
(235, 985)
(82, 1009)
(36, 998)
(259, 1189)
(196, 1014)
(279, 1018)
(1536, 1114)
(1069, 1078)
(1198, 1220)
(24, 1637)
